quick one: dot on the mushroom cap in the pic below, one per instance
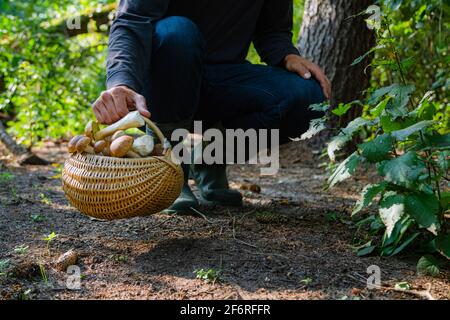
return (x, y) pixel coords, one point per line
(72, 145)
(83, 143)
(117, 135)
(100, 145)
(120, 147)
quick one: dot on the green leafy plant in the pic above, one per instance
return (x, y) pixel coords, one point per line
(4, 264)
(37, 217)
(209, 276)
(49, 238)
(44, 199)
(407, 143)
(6, 177)
(22, 249)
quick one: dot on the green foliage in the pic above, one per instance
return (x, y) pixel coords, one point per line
(49, 80)
(6, 178)
(209, 276)
(428, 265)
(405, 124)
(4, 264)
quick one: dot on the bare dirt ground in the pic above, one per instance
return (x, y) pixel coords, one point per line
(290, 241)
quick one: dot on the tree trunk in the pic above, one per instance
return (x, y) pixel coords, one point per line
(23, 155)
(333, 37)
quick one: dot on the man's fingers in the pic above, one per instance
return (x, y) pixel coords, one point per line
(114, 104)
(302, 71)
(95, 109)
(111, 108)
(104, 114)
(141, 105)
(323, 80)
(120, 103)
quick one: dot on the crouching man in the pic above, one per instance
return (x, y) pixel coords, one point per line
(185, 60)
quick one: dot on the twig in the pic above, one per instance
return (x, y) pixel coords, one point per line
(424, 294)
(238, 240)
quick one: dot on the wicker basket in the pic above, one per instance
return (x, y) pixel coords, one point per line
(114, 188)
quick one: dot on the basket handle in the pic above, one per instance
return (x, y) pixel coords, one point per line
(160, 136)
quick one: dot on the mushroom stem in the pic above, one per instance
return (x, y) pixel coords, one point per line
(131, 120)
(132, 154)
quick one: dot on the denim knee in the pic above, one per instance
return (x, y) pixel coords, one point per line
(179, 36)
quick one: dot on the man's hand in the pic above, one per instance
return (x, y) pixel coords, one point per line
(116, 103)
(306, 69)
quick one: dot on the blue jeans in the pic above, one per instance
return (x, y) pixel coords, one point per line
(182, 85)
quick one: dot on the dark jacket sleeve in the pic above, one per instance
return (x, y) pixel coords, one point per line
(273, 36)
(130, 42)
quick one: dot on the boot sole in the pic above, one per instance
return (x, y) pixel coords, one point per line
(210, 203)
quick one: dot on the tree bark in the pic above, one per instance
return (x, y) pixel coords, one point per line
(23, 155)
(333, 37)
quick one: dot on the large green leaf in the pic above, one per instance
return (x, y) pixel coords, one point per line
(389, 124)
(355, 125)
(315, 126)
(339, 141)
(403, 171)
(392, 209)
(400, 94)
(377, 149)
(428, 266)
(367, 196)
(443, 245)
(424, 209)
(436, 141)
(406, 243)
(336, 144)
(344, 170)
(402, 134)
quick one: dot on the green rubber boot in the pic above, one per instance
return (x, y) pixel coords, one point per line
(187, 201)
(212, 184)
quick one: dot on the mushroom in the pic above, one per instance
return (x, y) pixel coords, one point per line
(132, 154)
(158, 150)
(121, 146)
(91, 129)
(117, 134)
(84, 145)
(131, 120)
(107, 151)
(72, 145)
(100, 145)
(144, 145)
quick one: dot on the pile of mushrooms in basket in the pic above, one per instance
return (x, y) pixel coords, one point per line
(113, 141)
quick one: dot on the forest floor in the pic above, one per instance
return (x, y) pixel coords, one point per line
(290, 241)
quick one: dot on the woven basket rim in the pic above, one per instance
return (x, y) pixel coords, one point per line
(167, 158)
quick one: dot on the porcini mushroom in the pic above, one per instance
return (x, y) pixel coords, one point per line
(158, 150)
(72, 145)
(107, 151)
(117, 134)
(131, 120)
(143, 145)
(132, 154)
(120, 147)
(100, 145)
(84, 145)
(91, 129)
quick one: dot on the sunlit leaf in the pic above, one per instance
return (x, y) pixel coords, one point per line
(377, 149)
(344, 170)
